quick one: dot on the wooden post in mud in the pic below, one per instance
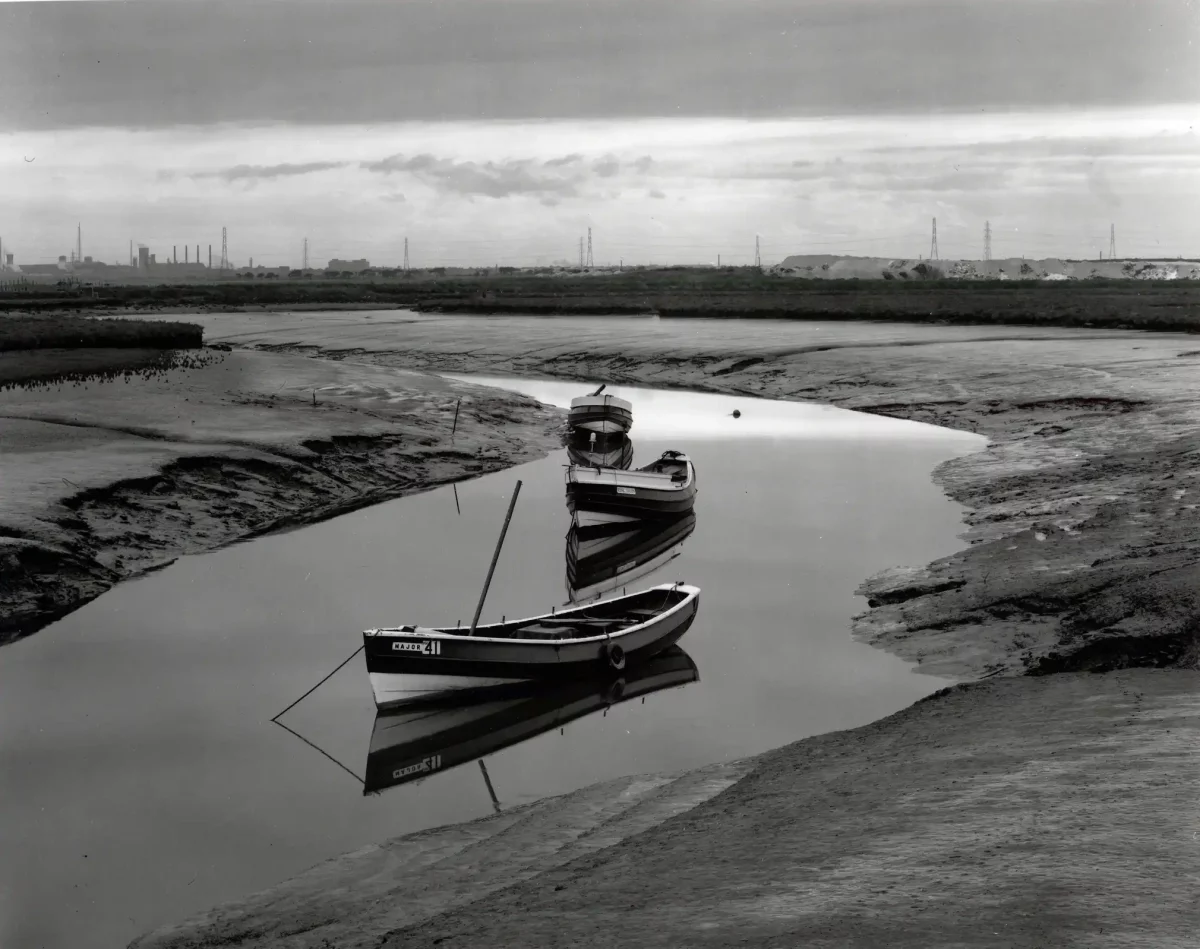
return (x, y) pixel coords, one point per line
(496, 556)
(453, 427)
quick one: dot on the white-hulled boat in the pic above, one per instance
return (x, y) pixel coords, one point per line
(410, 664)
(411, 744)
(603, 414)
(666, 488)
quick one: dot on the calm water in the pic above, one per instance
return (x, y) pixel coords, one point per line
(142, 780)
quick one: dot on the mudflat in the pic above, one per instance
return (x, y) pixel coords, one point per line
(1041, 806)
(1045, 805)
(120, 472)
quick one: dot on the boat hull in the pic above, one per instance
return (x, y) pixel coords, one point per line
(633, 502)
(603, 414)
(603, 425)
(410, 669)
(665, 488)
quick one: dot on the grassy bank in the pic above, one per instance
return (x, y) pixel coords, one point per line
(674, 292)
(24, 332)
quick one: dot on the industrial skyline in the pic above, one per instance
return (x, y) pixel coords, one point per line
(491, 253)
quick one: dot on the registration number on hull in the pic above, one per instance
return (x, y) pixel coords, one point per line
(621, 490)
(432, 763)
(430, 647)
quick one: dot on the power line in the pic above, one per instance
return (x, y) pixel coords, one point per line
(224, 251)
(757, 252)
(406, 253)
(987, 240)
(1112, 241)
(590, 262)
(933, 247)
(304, 256)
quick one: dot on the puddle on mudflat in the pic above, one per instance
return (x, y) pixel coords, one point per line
(137, 730)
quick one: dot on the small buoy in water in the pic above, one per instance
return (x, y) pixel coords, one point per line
(737, 413)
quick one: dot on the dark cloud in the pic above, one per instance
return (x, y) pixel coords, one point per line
(655, 193)
(643, 165)
(565, 160)
(489, 179)
(160, 64)
(259, 172)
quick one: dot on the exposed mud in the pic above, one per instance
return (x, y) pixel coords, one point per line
(108, 477)
(1028, 811)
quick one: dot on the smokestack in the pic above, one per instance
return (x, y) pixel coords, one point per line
(174, 254)
(197, 253)
(185, 253)
(210, 256)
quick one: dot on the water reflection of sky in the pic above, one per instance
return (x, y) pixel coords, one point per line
(658, 412)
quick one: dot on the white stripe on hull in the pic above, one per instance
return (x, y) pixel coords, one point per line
(601, 426)
(392, 689)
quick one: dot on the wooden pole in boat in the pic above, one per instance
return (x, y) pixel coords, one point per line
(496, 556)
(456, 507)
(601, 389)
(454, 427)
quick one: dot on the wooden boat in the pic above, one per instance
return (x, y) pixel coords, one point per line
(665, 488)
(408, 664)
(603, 414)
(605, 557)
(603, 451)
(412, 743)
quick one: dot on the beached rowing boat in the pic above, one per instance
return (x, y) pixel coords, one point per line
(409, 664)
(412, 743)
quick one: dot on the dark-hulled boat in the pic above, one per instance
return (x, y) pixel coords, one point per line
(604, 557)
(600, 451)
(665, 488)
(411, 664)
(603, 414)
(410, 744)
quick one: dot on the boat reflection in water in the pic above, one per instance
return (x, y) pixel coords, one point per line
(605, 557)
(410, 744)
(600, 451)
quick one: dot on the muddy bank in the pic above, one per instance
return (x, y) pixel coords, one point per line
(1028, 811)
(1082, 513)
(109, 477)
(1023, 810)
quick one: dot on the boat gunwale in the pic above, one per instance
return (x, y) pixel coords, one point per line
(602, 401)
(441, 632)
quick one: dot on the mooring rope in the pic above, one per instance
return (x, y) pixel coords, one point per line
(317, 686)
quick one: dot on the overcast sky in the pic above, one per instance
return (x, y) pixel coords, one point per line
(499, 130)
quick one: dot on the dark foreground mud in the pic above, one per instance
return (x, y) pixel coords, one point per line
(1029, 811)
